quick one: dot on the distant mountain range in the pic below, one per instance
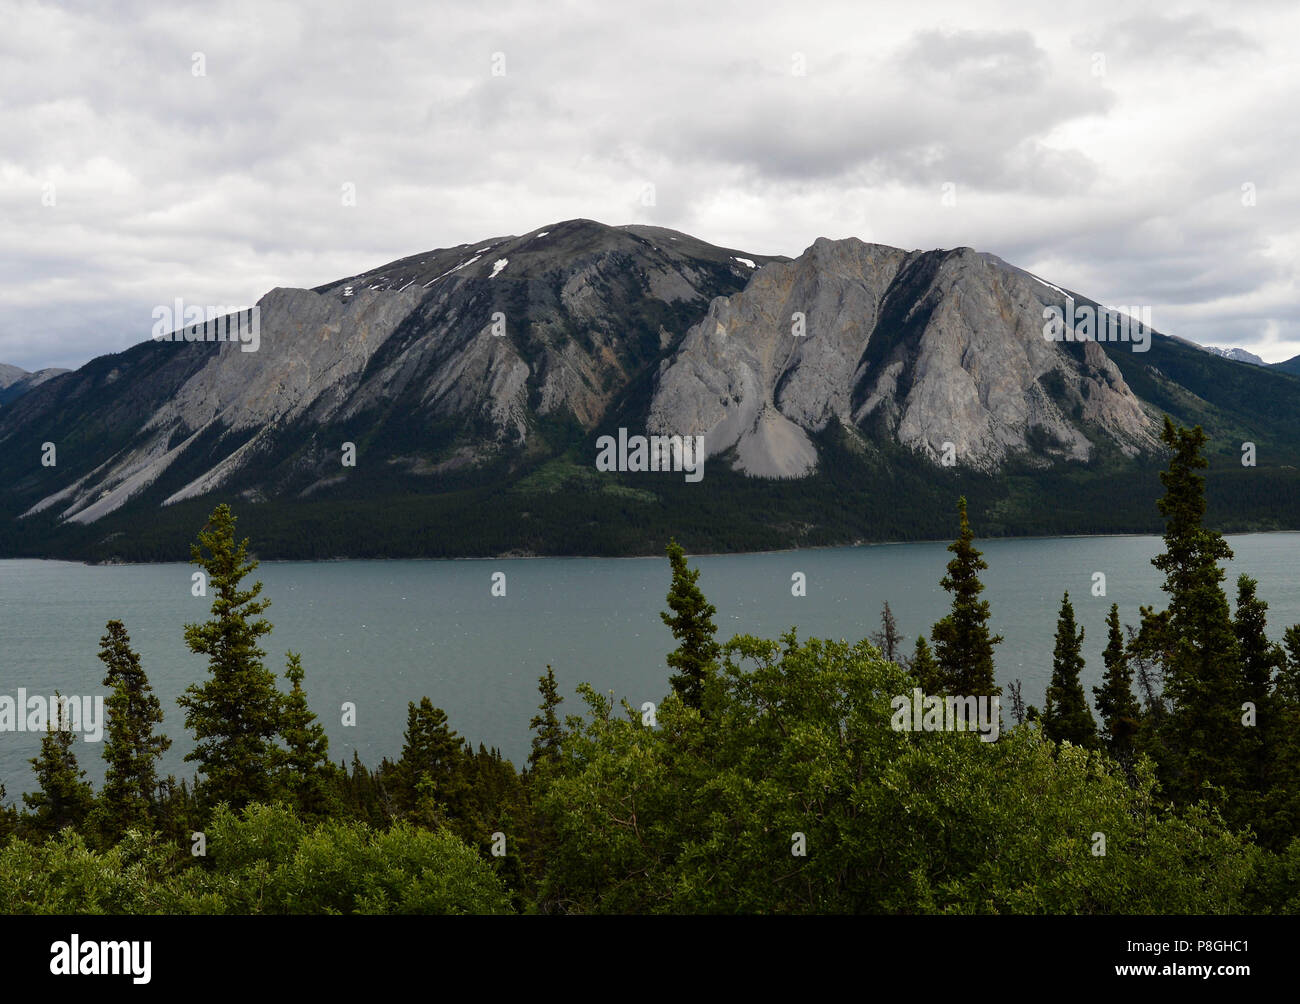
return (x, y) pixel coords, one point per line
(1237, 355)
(452, 403)
(15, 382)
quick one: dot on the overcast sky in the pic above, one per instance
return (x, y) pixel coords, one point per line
(1139, 154)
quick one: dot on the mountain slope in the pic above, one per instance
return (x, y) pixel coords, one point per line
(450, 403)
(944, 351)
(15, 382)
(450, 357)
(1237, 355)
(1291, 365)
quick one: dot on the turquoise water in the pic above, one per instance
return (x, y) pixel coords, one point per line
(381, 633)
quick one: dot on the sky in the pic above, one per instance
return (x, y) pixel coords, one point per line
(1139, 154)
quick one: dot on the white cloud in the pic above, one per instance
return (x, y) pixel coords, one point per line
(1123, 184)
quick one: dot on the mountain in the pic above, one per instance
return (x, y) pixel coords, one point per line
(1291, 365)
(454, 403)
(1237, 355)
(924, 348)
(15, 382)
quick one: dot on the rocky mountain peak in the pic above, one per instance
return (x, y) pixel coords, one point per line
(942, 350)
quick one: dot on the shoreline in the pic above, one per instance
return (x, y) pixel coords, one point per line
(982, 542)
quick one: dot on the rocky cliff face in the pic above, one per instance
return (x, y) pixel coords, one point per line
(943, 351)
(474, 382)
(445, 359)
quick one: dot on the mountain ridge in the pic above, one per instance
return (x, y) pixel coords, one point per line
(472, 378)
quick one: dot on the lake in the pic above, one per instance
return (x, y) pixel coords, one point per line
(382, 633)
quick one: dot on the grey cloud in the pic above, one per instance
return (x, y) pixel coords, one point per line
(1189, 37)
(217, 188)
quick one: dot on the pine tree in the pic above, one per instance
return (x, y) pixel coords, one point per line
(550, 734)
(305, 763)
(1280, 805)
(1260, 658)
(1116, 704)
(1066, 717)
(924, 668)
(692, 625)
(888, 639)
(963, 647)
(8, 821)
(235, 714)
(430, 775)
(365, 795)
(131, 750)
(1202, 739)
(1014, 691)
(64, 797)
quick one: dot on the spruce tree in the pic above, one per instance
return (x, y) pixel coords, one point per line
(924, 668)
(431, 772)
(1014, 691)
(7, 814)
(1116, 704)
(888, 639)
(64, 797)
(1261, 660)
(131, 750)
(1066, 716)
(1202, 738)
(305, 763)
(692, 625)
(550, 734)
(963, 647)
(235, 714)
(1281, 736)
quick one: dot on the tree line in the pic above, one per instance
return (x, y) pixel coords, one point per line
(766, 780)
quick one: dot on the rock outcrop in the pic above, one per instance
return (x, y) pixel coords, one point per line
(944, 351)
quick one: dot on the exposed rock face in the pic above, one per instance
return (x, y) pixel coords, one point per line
(456, 353)
(933, 348)
(440, 362)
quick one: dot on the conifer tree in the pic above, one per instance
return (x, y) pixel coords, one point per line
(430, 771)
(1116, 704)
(924, 668)
(305, 762)
(692, 625)
(7, 820)
(1202, 739)
(550, 734)
(364, 791)
(1280, 805)
(1014, 691)
(64, 797)
(131, 750)
(963, 647)
(1260, 658)
(1066, 716)
(888, 639)
(235, 714)
(1287, 684)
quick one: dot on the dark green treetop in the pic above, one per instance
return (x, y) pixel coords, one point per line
(692, 625)
(963, 646)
